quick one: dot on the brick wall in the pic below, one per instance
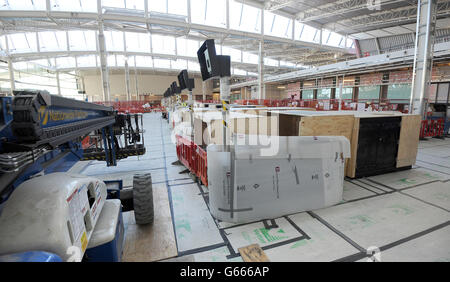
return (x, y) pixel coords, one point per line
(371, 79)
(400, 76)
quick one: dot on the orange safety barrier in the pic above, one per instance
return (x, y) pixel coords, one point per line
(432, 128)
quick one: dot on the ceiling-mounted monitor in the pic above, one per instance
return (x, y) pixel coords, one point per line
(184, 81)
(212, 65)
(175, 88)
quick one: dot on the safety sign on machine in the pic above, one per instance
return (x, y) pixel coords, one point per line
(78, 202)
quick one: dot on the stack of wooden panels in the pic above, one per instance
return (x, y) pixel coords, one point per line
(208, 126)
(380, 141)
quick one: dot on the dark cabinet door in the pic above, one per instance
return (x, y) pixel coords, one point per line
(377, 145)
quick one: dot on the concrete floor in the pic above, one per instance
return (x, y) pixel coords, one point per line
(403, 216)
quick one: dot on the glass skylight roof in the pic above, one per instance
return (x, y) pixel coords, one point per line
(156, 50)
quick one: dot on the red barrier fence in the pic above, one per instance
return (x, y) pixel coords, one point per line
(328, 104)
(193, 157)
(88, 142)
(133, 107)
(432, 128)
(201, 164)
(185, 153)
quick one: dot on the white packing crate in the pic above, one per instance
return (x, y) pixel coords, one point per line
(299, 173)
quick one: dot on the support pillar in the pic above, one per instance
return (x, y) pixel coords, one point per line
(204, 90)
(136, 79)
(127, 80)
(423, 57)
(58, 84)
(11, 76)
(261, 87)
(103, 63)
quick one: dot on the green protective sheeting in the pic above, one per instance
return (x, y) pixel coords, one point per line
(324, 93)
(347, 93)
(399, 91)
(369, 92)
(307, 94)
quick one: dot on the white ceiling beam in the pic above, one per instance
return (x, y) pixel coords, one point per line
(371, 63)
(337, 8)
(161, 22)
(276, 5)
(61, 54)
(391, 16)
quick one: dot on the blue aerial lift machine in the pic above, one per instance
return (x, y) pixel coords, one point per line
(40, 140)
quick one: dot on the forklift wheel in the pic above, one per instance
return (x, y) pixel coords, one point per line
(143, 198)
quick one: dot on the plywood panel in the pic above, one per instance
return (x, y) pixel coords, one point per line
(409, 140)
(351, 165)
(253, 253)
(339, 125)
(199, 132)
(151, 242)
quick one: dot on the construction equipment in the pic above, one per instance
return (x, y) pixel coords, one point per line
(40, 139)
(53, 213)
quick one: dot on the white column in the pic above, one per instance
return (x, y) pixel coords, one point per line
(227, 14)
(320, 34)
(11, 76)
(58, 85)
(426, 13)
(127, 80)
(12, 81)
(377, 44)
(102, 54)
(225, 88)
(189, 13)
(261, 88)
(293, 29)
(136, 79)
(341, 85)
(204, 90)
(103, 63)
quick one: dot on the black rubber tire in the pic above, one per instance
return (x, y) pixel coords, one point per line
(143, 198)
